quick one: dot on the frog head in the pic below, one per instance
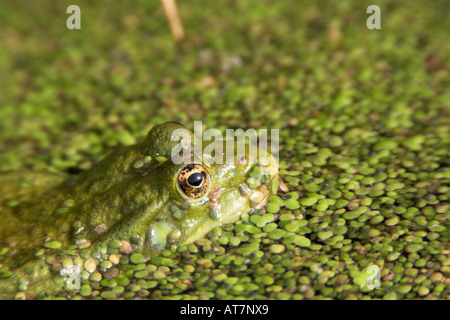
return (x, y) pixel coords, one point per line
(142, 195)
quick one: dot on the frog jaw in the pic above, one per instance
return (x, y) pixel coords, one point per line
(202, 217)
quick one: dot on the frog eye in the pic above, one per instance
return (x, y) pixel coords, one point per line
(193, 182)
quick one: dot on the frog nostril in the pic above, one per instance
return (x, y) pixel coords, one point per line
(195, 179)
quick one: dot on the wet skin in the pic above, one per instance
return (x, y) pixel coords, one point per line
(137, 194)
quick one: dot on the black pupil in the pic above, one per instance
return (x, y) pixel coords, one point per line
(195, 179)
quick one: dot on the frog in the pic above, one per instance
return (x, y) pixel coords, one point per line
(137, 199)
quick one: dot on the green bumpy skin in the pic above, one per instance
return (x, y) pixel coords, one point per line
(130, 196)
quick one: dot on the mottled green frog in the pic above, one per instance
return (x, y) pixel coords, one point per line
(136, 198)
